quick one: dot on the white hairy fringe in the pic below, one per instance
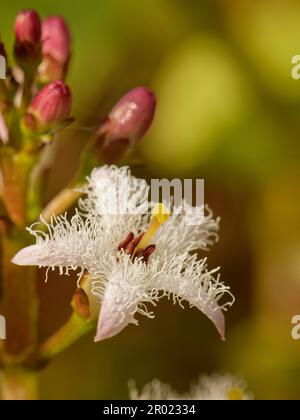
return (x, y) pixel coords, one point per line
(214, 387)
(114, 191)
(194, 229)
(80, 243)
(69, 244)
(181, 278)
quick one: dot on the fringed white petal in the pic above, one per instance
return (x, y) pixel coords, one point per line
(69, 245)
(130, 287)
(187, 279)
(34, 255)
(123, 294)
(118, 198)
(192, 229)
(115, 313)
(215, 387)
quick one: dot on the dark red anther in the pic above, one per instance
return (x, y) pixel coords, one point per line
(138, 254)
(147, 252)
(126, 242)
(129, 246)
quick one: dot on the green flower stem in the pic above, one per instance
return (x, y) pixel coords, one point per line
(20, 307)
(20, 302)
(18, 384)
(16, 169)
(75, 328)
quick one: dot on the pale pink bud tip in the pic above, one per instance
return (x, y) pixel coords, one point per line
(132, 116)
(56, 40)
(52, 104)
(28, 27)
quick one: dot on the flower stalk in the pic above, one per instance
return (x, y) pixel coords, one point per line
(16, 169)
(21, 317)
(75, 328)
(19, 384)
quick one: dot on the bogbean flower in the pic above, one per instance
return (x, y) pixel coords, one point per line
(132, 258)
(215, 387)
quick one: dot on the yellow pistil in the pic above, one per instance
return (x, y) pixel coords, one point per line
(235, 394)
(160, 215)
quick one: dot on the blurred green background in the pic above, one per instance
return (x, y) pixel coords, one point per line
(229, 112)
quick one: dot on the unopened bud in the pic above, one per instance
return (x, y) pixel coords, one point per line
(28, 35)
(28, 27)
(49, 108)
(56, 49)
(128, 121)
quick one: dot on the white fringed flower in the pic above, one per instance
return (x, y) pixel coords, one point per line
(215, 387)
(133, 258)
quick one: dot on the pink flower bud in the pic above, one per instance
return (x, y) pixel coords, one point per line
(51, 106)
(132, 116)
(28, 27)
(27, 45)
(56, 40)
(56, 49)
(127, 123)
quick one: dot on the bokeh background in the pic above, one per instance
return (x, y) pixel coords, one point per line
(229, 112)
